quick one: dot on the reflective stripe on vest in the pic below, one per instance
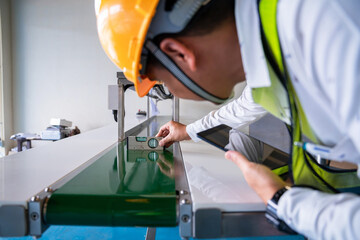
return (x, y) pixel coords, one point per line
(281, 100)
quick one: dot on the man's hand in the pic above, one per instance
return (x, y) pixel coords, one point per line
(260, 178)
(172, 132)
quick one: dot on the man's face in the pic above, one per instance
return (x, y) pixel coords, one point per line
(213, 61)
(172, 83)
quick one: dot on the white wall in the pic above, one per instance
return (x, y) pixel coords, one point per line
(6, 72)
(60, 69)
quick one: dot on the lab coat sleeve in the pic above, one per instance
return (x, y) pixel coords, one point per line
(238, 113)
(319, 215)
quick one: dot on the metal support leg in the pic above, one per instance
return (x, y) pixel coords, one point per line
(150, 233)
(148, 114)
(175, 109)
(148, 108)
(19, 144)
(121, 113)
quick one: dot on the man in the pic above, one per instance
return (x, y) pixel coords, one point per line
(237, 113)
(203, 52)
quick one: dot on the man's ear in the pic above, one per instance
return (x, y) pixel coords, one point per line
(179, 53)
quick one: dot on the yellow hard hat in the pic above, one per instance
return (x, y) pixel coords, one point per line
(126, 29)
(122, 26)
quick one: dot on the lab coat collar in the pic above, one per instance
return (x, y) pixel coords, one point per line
(253, 57)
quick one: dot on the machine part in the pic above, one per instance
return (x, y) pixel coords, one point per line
(125, 82)
(15, 217)
(48, 190)
(213, 223)
(35, 213)
(121, 110)
(183, 192)
(144, 143)
(185, 222)
(13, 221)
(185, 216)
(176, 109)
(113, 98)
(133, 193)
(150, 233)
(211, 218)
(139, 128)
(148, 107)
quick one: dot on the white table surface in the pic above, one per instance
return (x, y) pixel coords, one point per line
(216, 182)
(26, 173)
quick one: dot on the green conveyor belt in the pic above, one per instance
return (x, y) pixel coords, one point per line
(121, 188)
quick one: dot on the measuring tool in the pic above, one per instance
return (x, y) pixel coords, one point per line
(144, 143)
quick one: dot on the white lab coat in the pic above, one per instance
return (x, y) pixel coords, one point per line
(321, 44)
(236, 114)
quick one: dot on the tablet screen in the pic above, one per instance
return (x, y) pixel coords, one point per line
(226, 138)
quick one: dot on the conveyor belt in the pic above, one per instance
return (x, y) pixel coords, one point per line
(121, 188)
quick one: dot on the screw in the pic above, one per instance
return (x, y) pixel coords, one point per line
(49, 189)
(35, 198)
(185, 218)
(184, 201)
(183, 192)
(34, 216)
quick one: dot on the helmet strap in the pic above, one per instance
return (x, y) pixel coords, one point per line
(180, 75)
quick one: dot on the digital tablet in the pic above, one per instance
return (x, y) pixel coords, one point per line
(226, 138)
(217, 136)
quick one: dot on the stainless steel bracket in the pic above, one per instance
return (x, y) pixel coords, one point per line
(150, 233)
(175, 109)
(35, 212)
(121, 110)
(185, 216)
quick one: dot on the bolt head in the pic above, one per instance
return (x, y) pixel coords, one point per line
(34, 216)
(35, 198)
(183, 192)
(185, 218)
(184, 201)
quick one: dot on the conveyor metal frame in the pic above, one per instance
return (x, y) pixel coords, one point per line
(37, 203)
(203, 223)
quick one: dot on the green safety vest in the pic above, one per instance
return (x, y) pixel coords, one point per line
(280, 99)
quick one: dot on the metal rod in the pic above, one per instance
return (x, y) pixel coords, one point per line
(150, 233)
(175, 109)
(121, 113)
(148, 115)
(148, 108)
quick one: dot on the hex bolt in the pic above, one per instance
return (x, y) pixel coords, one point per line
(184, 201)
(35, 198)
(183, 192)
(34, 216)
(185, 218)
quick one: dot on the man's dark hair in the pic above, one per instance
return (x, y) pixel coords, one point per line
(206, 20)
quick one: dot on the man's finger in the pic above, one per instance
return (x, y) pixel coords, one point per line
(238, 159)
(165, 140)
(159, 134)
(164, 131)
